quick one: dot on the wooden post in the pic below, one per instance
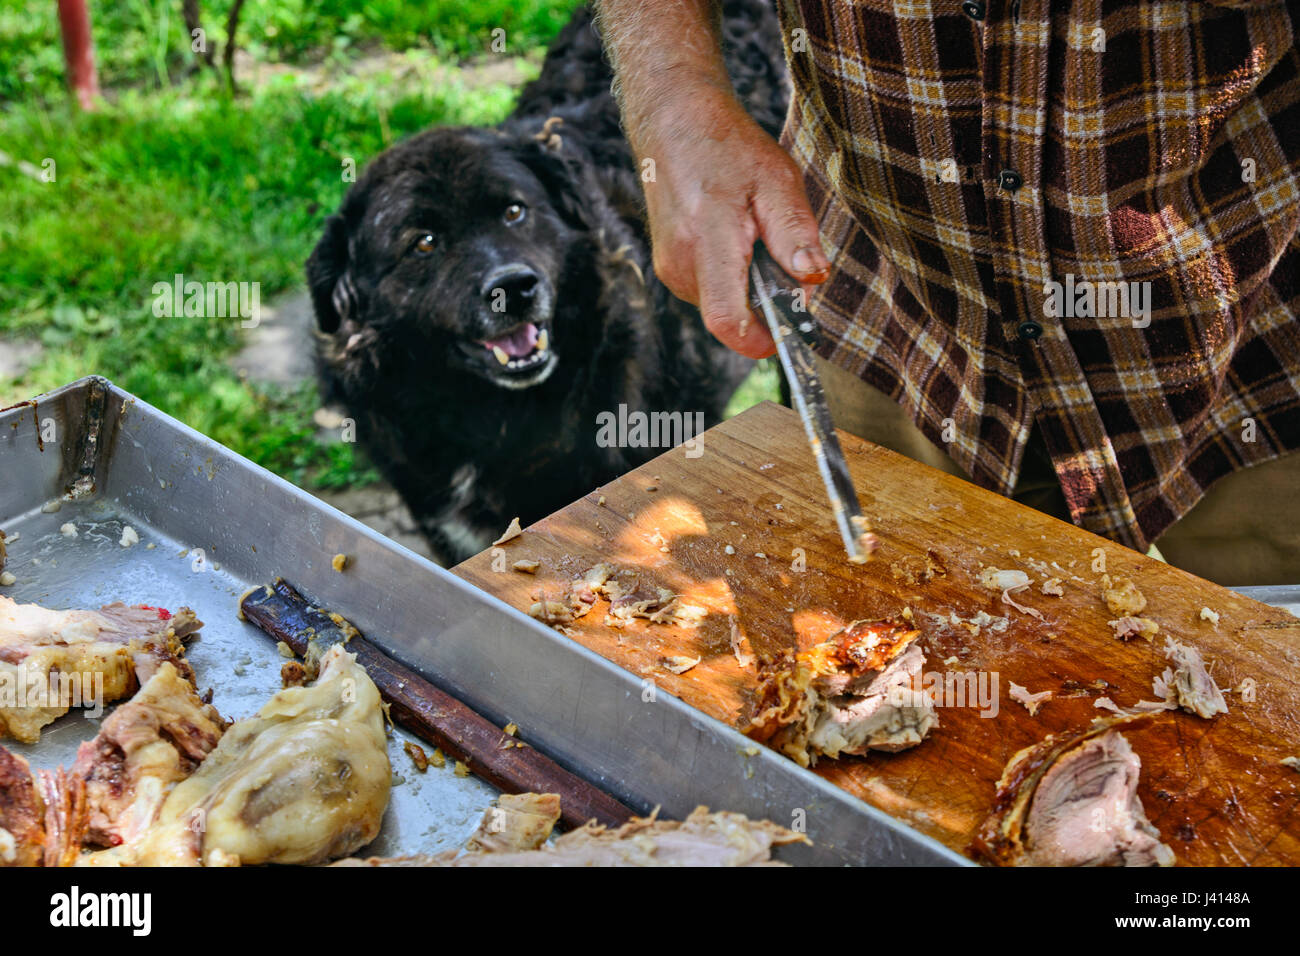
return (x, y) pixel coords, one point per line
(79, 51)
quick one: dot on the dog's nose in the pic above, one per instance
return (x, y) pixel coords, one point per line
(511, 290)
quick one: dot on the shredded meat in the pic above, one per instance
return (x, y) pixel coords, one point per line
(739, 646)
(702, 839)
(519, 822)
(1127, 627)
(1032, 702)
(628, 599)
(1188, 684)
(851, 694)
(1071, 800)
(1141, 707)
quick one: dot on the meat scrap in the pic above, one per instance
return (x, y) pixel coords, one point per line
(41, 649)
(578, 598)
(1071, 800)
(1127, 627)
(519, 822)
(628, 599)
(417, 755)
(679, 663)
(143, 749)
(1187, 683)
(996, 580)
(851, 694)
(1141, 707)
(702, 839)
(1122, 597)
(22, 813)
(739, 646)
(1032, 702)
(512, 531)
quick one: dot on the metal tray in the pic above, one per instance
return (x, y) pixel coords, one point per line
(110, 460)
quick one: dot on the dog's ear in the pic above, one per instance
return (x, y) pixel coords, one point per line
(545, 155)
(329, 277)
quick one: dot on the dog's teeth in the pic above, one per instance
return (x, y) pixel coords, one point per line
(543, 340)
(501, 355)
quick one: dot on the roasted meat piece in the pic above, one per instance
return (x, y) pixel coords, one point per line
(853, 693)
(305, 781)
(22, 813)
(702, 839)
(143, 749)
(1071, 800)
(42, 650)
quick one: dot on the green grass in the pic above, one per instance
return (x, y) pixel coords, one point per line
(191, 181)
(763, 384)
(173, 174)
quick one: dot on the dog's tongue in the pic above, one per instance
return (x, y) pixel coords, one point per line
(518, 343)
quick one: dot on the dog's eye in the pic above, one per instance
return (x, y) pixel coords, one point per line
(425, 244)
(515, 213)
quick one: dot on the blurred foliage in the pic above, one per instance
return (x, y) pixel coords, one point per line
(144, 42)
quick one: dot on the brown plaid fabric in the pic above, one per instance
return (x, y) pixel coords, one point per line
(962, 156)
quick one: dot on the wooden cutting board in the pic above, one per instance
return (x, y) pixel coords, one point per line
(1215, 789)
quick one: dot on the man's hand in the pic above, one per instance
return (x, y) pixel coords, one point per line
(720, 183)
(717, 182)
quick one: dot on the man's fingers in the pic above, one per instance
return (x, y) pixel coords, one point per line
(723, 279)
(789, 230)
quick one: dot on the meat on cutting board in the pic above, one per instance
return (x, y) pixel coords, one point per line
(853, 693)
(744, 531)
(1072, 800)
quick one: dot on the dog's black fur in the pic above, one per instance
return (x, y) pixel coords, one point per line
(403, 318)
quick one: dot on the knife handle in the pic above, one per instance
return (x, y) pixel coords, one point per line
(784, 293)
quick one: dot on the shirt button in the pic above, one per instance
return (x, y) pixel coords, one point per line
(1029, 330)
(974, 9)
(1010, 180)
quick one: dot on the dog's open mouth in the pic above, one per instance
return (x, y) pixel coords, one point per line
(522, 348)
(520, 357)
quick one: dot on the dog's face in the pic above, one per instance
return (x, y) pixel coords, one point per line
(454, 242)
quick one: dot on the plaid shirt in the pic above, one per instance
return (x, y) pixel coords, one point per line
(961, 157)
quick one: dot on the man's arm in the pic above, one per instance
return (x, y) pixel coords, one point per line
(719, 182)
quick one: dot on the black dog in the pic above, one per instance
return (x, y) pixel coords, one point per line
(484, 294)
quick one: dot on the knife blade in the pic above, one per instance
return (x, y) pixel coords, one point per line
(778, 298)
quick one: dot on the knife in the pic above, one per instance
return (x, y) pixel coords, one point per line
(778, 298)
